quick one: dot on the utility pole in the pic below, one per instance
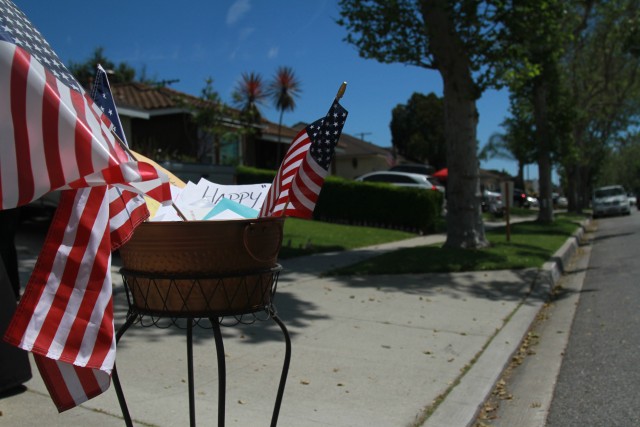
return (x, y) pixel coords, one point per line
(362, 134)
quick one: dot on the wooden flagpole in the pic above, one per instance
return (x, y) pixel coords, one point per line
(343, 87)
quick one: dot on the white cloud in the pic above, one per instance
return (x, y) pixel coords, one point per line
(245, 33)
(273, 52)
(237, 10)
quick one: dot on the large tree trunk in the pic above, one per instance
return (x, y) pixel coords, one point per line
(584, 186)
(572, 188)
(544, 152)
(465, 228)
(519, 182)
(571, 168)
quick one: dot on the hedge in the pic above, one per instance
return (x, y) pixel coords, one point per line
(362, 203)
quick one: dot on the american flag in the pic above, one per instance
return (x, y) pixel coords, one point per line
(55, 137)
(296, 187)
(127, 209)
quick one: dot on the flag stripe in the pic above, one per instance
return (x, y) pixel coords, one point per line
(80, 384)
(276, 197)
(82, 138)
(306, 189)
(84, 327)
(19, 74)
(312, 176)
(40, 276)
(104, 350)
(69, 270)
(36, 87)
(51, 375)
(127, 211)
(50, 107)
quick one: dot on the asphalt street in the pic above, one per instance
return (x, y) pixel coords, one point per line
(581, 361)
(599, 382)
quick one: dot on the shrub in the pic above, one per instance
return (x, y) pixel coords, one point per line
(363, 203)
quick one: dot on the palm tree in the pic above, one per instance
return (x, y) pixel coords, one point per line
(283, 90)
(248, 95)
(516, 144)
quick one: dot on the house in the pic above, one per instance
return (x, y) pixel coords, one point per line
(491, 179)
(158, 122)
(355, 157)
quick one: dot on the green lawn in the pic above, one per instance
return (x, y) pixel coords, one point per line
(531, 245)
(308, 237)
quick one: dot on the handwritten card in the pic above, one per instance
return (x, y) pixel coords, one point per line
(198, 201)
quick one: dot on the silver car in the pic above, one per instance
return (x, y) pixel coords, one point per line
(492, 203)
(610, 200)
(403, 179)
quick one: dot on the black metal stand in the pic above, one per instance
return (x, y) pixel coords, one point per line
(139, 310)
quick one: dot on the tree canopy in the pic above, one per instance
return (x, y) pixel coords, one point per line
(602, 65)
(417, 130)
(85, 71)
(209, 117)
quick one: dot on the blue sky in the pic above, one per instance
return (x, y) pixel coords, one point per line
(224, 38)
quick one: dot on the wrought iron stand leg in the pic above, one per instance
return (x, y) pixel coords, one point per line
(285, 370)
(192, 403)
(222, 369)
(114, 375)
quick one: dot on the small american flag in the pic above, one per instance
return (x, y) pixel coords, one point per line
(296, 187)
(55, 137)
(127, 209)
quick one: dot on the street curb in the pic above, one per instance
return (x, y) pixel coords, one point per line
(462, 405)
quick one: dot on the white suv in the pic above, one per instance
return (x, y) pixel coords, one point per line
(610, 200)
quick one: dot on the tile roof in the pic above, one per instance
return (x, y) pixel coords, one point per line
(146, 97)
(141, 96)
(358, 147)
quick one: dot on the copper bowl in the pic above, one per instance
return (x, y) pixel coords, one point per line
(203, 268)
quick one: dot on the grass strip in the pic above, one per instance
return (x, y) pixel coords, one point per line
(302, 237)
(531, 244)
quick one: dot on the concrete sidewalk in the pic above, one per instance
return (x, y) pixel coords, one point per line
(367, 351)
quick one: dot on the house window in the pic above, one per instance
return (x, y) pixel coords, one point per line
(354, 162)
(229, 149)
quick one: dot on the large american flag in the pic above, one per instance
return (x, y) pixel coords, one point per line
(53, 136)
(296, 187)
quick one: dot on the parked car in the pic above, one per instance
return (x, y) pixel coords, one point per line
(413, 168)
(533, 202)
(610, 200)
(559, 202)
(633, 200)
(520, 198)
(492, 203)
(562, 202)
(403, 179)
